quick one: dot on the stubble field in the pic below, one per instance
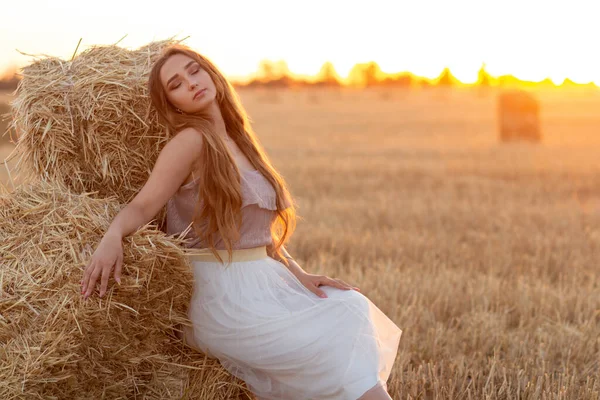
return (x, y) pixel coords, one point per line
(486, 255)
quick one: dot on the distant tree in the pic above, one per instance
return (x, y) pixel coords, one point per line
(446, 78)
(366, 74)
(265, 70)
(372, 71)
(546, 83)
(483, 77)
(328, 76)
(270, 71)
(398, 80)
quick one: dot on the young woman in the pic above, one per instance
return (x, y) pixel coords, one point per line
(287, 333)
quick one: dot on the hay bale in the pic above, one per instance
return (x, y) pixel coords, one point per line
(88, 123)
(518, 115)
(55, 345)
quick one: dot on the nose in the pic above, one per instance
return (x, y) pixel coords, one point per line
(193, 86)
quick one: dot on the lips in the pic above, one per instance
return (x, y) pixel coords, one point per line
(199, 93)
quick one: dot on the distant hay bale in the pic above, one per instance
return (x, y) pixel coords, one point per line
(88, 123)
(518, 114)
(55, 345)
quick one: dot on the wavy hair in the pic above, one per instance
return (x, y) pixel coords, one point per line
(219, 180)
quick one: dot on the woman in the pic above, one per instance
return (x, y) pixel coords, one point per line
(287, 333)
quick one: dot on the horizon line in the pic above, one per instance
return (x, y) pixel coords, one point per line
(369, 70)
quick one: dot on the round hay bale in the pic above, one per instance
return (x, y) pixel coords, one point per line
(53, 344)
(88, 123)
(518, 115)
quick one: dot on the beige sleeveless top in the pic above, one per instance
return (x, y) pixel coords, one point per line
(258, 212)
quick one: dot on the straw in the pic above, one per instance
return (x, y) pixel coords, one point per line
(55, 345)
(88, 123)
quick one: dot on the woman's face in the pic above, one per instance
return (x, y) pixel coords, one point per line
(187, 86)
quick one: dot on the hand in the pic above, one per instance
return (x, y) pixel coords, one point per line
(108, 254)
(312, 282)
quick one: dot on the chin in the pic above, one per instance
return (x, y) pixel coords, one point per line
(200, 106)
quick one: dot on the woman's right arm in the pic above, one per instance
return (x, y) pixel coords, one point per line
(173, 165)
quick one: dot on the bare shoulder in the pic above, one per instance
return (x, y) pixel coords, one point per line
(188, 139)
(184, 147)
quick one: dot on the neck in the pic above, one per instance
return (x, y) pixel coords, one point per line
(215, 113)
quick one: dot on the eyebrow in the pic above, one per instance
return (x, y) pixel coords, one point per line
(176, 75)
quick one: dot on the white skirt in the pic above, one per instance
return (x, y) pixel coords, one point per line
(284, 341)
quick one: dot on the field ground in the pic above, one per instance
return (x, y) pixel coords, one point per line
(486, 255)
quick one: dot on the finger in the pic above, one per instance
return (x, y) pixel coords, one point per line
(92, 282)
(104, 280)
(86, 277)
(320, 280)
(349, 286)
(118, 269)
(338, 284)
(319, 292)
(88, 273)
(342, 284)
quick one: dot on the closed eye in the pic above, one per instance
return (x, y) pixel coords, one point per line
(179, 84)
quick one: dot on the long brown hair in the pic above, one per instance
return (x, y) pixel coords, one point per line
(219, 180)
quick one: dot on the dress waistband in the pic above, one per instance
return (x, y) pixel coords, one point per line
(252, 254)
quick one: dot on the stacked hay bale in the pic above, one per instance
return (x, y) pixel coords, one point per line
(518, 115)
(87, 143)
(88, 123)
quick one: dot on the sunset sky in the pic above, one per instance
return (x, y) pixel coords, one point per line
(530, 39)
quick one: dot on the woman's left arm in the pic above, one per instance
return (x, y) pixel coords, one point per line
(311, 281)
(293, 265)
